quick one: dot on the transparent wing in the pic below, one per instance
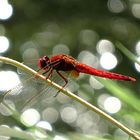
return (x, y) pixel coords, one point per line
(33, 92)
(23, 94)
(20, 94)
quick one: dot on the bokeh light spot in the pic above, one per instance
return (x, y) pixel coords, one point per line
(136, 10)
(101, 99)
(116, 6)
(69, 114)
(6, 10)
(88, 58)
(50, 115)
(108, 61)
(138, 48)
(112, 105)
(105, 46)
(6, 80)
(30, 117)
(137, 66)
(4, 44)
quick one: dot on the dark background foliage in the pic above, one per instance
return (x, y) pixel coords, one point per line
(76, 27)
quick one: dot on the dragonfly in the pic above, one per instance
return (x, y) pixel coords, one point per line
(63, 62)
(59, 64)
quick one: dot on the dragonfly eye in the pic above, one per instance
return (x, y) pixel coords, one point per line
(46, 58)
(43, 62)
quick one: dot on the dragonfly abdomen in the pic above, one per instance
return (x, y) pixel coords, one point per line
(89, 70)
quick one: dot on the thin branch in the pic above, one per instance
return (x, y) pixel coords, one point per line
(73, 96)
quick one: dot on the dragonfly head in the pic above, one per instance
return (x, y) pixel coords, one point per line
(43, 62)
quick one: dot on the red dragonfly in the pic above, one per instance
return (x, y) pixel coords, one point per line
(62, 62)
(58, 63)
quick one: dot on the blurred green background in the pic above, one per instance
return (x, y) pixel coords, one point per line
(88, 31)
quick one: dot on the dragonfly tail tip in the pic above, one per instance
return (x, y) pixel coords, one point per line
(133, 79)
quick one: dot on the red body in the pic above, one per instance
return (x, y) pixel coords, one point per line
(64, 62)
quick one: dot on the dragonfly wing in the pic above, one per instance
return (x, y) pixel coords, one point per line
(27, 93)
(33, 92)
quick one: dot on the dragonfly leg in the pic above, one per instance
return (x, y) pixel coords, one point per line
(65, 79)
(50, 73)
(46, 71)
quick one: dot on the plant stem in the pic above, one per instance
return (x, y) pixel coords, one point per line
(73, 96)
